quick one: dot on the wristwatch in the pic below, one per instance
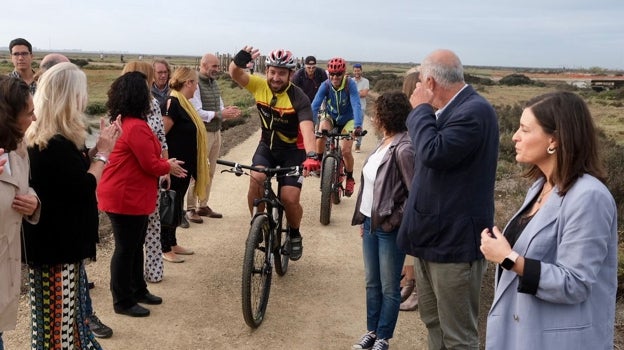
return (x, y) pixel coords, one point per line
(100, 157)
(312, 155)
(510, 260)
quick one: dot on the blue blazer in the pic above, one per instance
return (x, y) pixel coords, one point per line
(574, 238)
(451, 199)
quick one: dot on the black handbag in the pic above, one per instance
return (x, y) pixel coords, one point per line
(167, 208)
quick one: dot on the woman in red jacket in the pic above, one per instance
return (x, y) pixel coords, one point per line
(127, 191)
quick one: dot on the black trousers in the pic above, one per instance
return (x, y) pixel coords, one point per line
(168, 233)
(127, 283)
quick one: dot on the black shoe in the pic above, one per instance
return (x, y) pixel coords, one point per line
(296, 248)
(184, 223)
(150, 299)
(99, 329)
(135, 310)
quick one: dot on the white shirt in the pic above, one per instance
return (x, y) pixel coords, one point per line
(369, 173)
(7, 165)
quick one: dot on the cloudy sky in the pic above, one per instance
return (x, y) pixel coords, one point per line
(527, 33)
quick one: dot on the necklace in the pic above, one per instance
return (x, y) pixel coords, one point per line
(543, 194)
(385, 138)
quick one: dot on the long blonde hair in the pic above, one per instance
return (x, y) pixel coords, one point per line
(60, 102)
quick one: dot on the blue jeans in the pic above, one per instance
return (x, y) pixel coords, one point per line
(1, 342)
(383, 262)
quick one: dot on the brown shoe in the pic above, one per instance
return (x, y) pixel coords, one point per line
(206, 211)
(411, 303)
(192, 216)
(407, 289)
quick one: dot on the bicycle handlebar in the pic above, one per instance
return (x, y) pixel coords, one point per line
(328, 133)
(285, 171)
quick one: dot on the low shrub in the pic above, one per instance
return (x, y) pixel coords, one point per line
(516, 79)
(95, 108)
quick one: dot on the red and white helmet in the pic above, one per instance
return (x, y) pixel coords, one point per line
(336, 65)
(281, 58)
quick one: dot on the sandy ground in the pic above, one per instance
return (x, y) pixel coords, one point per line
(320, 303)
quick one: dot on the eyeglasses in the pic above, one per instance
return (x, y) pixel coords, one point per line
(336, 74)
(18, 54)
(273, 101)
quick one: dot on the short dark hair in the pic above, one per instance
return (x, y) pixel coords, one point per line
(129, 95)
(19, 41)
(14, 95)
(391, 110)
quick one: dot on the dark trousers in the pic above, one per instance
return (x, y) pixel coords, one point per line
(127, 283)
(168, 233)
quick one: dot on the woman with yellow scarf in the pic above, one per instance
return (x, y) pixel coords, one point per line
(186, 137)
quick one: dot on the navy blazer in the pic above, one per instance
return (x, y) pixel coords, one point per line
(452, 196)
(574, 239)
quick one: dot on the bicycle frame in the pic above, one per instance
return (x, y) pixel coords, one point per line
(266, 241)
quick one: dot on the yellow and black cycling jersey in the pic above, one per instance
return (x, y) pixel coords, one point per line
(280, 113)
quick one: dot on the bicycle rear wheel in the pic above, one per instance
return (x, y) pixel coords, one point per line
(282, 238)
(328, 178)
(257, 272)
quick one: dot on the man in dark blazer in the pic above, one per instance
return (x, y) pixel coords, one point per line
(454, 133)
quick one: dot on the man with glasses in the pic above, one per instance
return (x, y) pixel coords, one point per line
(309, 78)
(287, 131)
(22, 57)
(342, 113)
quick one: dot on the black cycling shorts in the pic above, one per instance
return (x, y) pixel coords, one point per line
(264, 156)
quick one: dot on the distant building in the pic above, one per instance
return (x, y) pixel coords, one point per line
(581, 84)
(606, 84)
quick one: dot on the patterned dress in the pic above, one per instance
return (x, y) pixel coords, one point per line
(57, 304)
(153, 270)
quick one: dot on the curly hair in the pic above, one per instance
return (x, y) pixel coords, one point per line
(391, 110)
(14, 97)
(129, 96)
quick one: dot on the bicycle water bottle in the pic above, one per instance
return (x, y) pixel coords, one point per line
(275, 214)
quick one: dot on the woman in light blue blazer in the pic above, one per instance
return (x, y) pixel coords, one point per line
(556, 278)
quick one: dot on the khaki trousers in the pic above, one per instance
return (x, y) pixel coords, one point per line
(213, 144)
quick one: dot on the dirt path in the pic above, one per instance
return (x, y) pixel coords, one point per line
(319, 304)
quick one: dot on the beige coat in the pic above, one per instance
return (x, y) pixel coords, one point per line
(10, 228)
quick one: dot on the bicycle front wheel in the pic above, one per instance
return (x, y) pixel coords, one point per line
(256, 272)
(328, 178)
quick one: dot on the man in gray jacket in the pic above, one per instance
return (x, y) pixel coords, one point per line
(209, 105)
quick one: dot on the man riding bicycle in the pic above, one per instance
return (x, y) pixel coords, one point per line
(287, 131)
(342, 113)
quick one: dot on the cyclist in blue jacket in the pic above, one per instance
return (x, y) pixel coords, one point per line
(342, 113)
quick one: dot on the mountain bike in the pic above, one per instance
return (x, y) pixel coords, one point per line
(267, 242)
(332, 171)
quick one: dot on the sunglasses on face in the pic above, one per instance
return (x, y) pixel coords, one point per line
(336, 74)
